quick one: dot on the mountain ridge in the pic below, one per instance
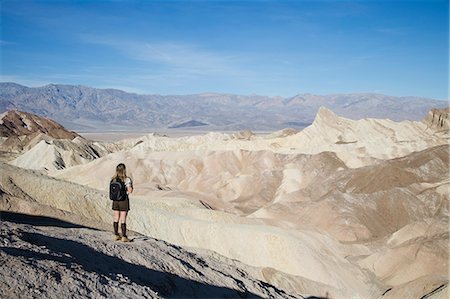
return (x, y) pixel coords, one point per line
(79, 107)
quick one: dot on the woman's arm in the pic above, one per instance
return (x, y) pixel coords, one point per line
(129, 184)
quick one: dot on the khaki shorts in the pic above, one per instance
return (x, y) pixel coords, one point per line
(123, 205)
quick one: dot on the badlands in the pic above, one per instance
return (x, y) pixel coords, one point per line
(342, 209)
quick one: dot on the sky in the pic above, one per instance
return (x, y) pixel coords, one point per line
(273, 48)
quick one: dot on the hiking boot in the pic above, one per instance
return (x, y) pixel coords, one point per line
(125, 239)
(116, 238)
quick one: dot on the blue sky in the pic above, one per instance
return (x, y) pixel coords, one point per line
(243, 47)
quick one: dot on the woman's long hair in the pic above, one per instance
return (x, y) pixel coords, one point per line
(121, 172)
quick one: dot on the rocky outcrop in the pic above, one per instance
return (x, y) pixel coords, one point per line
(18, 123)
(21, 131)
(40, 143)
(47, 257)
(438, 119)
(52, 154)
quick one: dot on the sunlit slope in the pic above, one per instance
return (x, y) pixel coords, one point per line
(367, 199)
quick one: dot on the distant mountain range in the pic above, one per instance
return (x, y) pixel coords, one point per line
(84, 108)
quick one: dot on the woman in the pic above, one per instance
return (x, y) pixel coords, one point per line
(122, 207)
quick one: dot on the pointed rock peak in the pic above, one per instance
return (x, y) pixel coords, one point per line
(325, 111)
(325, 115)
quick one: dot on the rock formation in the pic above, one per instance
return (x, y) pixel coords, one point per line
(18, 123)
(82, 262)
(35, 142)
(348, 208)
(438, 119)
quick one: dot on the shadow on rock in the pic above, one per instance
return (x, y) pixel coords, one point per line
(36, 220)
(169, 285)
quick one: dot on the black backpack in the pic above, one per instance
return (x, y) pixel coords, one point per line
(117, 190)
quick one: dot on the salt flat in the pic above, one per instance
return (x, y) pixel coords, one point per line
(174, 133)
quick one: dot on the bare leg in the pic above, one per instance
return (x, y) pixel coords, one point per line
(123, 216)
(116, 216)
